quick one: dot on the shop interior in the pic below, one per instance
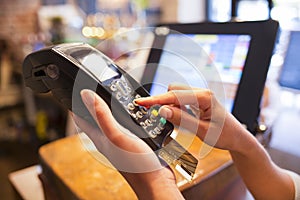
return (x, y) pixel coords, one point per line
(34, 127)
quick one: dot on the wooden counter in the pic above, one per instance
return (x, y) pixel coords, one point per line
(72, 172)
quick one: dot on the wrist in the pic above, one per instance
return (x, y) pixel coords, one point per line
(245, 142)
(158, 184)
(164, 189)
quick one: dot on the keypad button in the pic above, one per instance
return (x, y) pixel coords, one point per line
(113, 87)
(139, 114)
(128, 89)
(144, 110)
(148, 122)
(152, 118)
(133, 115)
(130, 106)
(118, 95)
(134, 103)
(157, 130)
(143, 124)
(160, 126)
(153, 115)
(152, 134)
(154, 112)
(162, 122)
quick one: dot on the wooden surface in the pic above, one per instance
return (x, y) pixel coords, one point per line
(77, 174)
(81, 173)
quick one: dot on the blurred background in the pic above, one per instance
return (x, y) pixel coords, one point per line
(28, 121)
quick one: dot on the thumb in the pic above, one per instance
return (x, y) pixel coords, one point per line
(100, 112)
(167, 112)
(181, 118)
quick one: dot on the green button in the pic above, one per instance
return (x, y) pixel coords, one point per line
(163, 121)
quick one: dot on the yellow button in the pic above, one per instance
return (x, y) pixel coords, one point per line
(154, 113)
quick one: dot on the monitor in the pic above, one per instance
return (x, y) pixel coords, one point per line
(239, 52)
(289, 76)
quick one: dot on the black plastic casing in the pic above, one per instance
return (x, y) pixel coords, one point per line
(71, 80)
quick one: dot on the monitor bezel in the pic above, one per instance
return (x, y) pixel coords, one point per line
(246, 106)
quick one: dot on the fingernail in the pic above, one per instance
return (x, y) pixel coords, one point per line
(141, 98)
(166, 112)
(88, 97)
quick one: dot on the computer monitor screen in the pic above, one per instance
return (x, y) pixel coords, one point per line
(225, 52)
(238, 52)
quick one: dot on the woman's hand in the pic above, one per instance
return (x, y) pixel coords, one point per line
(218, 128)
(130, 155)
(211, 122)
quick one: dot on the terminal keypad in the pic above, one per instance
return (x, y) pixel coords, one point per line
(148, 119)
